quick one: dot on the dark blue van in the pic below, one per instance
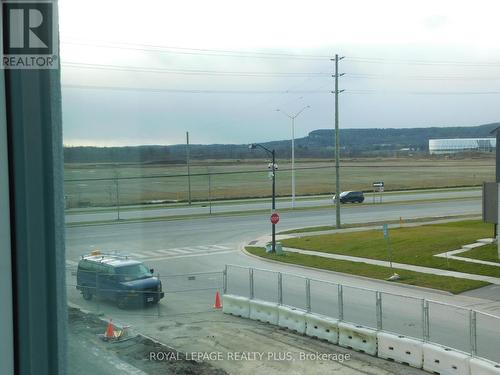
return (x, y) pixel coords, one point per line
(118, 278)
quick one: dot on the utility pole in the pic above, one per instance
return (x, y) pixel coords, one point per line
(117, 189)
(209, 191)
(293, 162)
(337, 142)
(188, 170)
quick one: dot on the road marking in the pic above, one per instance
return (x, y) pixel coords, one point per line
(180, 251)
(194, 255)
(205, 247)
(173, 252)
(220, 247)
(137, 255)
(168, 252)
(149, 253)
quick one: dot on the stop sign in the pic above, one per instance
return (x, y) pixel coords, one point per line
(275, 218)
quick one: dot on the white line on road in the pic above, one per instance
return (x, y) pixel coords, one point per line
(149, 253)
(220, 247)
(194, 255)
(164, 251)
(181, 251)
(137, 255)
(205, 247)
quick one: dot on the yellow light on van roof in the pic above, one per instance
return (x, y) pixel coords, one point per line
(95, 252)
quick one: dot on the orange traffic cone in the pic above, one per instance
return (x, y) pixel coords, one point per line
(109, 334)
(217, 304)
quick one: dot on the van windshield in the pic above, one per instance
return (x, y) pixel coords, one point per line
(133, 272)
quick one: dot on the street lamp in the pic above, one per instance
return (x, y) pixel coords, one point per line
(292, 117)
(253, 146)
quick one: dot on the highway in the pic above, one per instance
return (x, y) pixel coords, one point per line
(207, 244)
(102, 214)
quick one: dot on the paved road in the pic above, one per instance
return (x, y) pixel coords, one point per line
(91, 215)
(207, 244)
(223, 230)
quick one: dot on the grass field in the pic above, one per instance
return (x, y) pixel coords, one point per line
(412, 245)
(98, 184)
(487, 252)
(450, 284)
(368, 224)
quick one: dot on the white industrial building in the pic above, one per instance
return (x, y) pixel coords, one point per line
(451, 146)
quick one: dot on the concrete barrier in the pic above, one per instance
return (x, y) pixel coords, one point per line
(322, 327)
(445, 361)
(292, 318)
(236, 305)
(400, 349)
(264, 311)
(483, 367)
(358, 338)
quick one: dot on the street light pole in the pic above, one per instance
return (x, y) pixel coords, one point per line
(273, 171)
(188, 169)
(292, 117)
(274, 198)
(293, 162)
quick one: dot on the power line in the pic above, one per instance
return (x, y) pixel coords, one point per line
(191, 71)
(199, 51)
(376, 60)
(276, 55)
(188, 91)
(141, 69)
(422, 92)
(199, 91)
(423, 78)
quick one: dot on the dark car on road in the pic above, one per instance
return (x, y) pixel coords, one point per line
(118, 278)
(351, 197)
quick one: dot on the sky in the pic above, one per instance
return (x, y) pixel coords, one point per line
(147, 72)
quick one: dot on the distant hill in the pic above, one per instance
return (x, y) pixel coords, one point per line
(317, 144)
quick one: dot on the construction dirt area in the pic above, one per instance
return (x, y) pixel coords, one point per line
(209, 343)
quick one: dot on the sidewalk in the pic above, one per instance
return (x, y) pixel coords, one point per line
(409, 267)
(262, 241)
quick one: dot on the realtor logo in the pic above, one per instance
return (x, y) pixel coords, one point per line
(29, 36)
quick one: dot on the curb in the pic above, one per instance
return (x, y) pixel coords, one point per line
(431, 220)
(421, 288)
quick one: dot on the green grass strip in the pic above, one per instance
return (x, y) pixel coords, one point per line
(486, 252)
(450, 284)
(322, 228)
(410, 245)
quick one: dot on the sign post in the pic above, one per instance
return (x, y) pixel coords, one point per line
(385, 229)
(378, 186)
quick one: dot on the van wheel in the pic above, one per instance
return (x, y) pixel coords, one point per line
(86, 294)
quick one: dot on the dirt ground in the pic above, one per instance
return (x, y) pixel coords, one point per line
(229, 345)
(137, 350)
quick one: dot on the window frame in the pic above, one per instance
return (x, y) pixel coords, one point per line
(36, 215)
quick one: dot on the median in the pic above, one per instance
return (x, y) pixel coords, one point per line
(412, 246)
